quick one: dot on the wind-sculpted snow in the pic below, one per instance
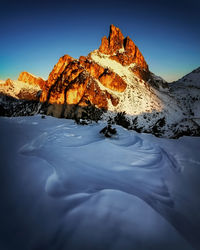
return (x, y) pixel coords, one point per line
(77, 189)
(85, 162)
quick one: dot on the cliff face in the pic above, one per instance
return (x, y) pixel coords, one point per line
(76, 85)
(122, 49)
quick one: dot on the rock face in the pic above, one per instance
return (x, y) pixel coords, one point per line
(58, 69)
(75, 85)
(121, 49)
(114, 42)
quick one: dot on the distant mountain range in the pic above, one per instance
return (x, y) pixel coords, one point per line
(112, 83)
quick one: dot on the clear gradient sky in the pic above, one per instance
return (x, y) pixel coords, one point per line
(34, 34)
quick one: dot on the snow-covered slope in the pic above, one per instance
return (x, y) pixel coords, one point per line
(19, 89)
(187, 93)
(149, 104)
(68, 187)
(190, 80)
(136, 97)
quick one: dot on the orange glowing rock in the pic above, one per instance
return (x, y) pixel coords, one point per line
(93, 68)
(29, 78)
(112, 81)
(108, 78)
(122, 50)
(114, 41)
(59, 68)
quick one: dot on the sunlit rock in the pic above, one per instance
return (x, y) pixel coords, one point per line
(29, 78)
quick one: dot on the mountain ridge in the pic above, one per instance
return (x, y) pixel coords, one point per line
(115, 79)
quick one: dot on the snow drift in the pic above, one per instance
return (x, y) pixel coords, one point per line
(66, 186)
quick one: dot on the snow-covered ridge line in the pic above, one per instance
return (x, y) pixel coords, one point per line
(36, 76)
(141, 99)
(136, 98)
(14, 87)
(104, 61)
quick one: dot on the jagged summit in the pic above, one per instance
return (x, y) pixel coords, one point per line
(113, 43)
(122, 49)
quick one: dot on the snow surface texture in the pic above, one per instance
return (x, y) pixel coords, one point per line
(65, 186)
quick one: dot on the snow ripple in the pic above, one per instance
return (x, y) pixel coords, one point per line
(126, 163)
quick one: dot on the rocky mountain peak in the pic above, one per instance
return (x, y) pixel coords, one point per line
(113, 43)
(59, 68)
(122, 50)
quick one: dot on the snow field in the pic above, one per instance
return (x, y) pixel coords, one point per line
(68, 187)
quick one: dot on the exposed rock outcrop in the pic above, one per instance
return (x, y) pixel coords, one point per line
(121, 49)
(113, 43)
(75, 85)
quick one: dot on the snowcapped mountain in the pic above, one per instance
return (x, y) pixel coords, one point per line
(187, 93)
(114, 83)
(191, 80)
(20, 98)
(22, 88)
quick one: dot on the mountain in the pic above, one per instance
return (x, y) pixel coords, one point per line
(114, 83)
(187, 92)
(27, 87)
(21, 97)
(31, 79)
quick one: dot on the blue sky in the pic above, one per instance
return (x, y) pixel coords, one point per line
(34, 34)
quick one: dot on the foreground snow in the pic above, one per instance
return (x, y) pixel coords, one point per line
(65, 186)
